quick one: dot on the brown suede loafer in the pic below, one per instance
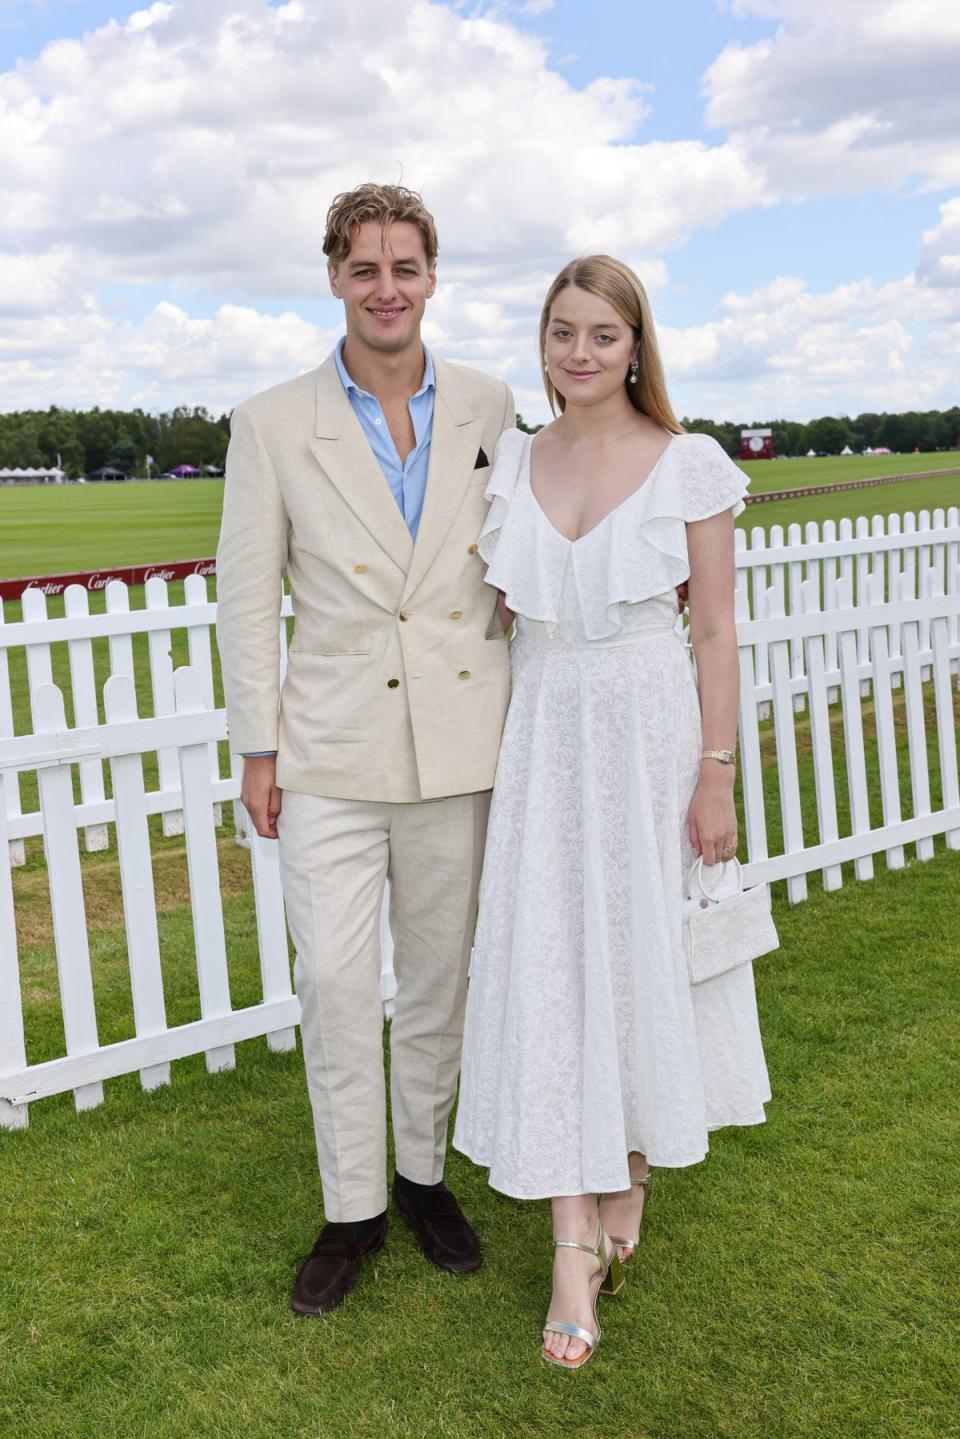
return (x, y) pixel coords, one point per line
(444, 1233)
(329, 1272)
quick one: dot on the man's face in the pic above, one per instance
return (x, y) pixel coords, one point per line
(384, 283)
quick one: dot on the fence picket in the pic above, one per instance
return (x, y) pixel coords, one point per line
(136, 877)
(886, 731)
(10, 801)
(916, 722)
(829, 571)
(820, 738)
(203, 870)
(751, 764)
(201, 662)
(66, 894)
(13, 1053)
(787, 771)
(83, 685)
(854, 749)
(943, 700)
(120, 642)
(159, 649)
(794, 589)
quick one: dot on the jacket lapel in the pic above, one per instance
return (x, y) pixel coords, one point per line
(453, 453)
(340, 447)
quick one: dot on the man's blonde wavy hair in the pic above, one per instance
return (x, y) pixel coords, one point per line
(384, 205)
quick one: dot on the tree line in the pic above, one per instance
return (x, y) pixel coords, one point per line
(87, 439)
(915, 430)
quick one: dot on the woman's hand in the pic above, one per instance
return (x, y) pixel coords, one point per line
(712, 817)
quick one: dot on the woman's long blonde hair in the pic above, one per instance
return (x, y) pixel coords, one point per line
(616, 283)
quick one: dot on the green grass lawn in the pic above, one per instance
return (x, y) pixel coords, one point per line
(798, 1283)
(56, 529)
(792, 474)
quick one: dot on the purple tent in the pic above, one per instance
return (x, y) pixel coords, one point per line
(183, 470)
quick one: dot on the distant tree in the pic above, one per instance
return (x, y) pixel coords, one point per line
(527, 429)
(830, 434)
(125, 454)
(191, 439)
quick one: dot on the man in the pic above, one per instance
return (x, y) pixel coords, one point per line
(364, 481)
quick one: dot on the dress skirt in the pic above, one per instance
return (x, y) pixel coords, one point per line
(584, 1038)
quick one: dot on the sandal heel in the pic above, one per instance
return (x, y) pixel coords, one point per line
(615, 1278)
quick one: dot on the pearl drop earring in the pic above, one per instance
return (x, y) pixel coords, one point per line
(634, 367)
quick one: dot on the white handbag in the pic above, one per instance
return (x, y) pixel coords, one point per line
(724, 927)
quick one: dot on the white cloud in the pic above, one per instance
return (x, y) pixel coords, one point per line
(783, 350)
(940, 262)
(206, 141)
(853, 96)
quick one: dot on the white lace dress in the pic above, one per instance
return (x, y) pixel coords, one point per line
(584, 1038)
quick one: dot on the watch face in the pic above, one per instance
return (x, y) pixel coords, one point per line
(756, 443)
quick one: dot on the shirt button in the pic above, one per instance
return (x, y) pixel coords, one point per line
(456, 614)
(378, 422)
(472, 550)
(404, 615)
(359, 569)
(464, 674)
(392, 684)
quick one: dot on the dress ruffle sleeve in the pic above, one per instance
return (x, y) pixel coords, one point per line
(637, 551)
(642, 544)
(524, 559)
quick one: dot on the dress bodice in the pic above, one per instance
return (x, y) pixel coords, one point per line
(619, 578)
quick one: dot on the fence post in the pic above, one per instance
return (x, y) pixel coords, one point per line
(66, 894)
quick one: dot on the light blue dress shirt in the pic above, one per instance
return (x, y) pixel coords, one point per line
(407, 480)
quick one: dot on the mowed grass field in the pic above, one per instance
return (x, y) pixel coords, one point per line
(53, 530)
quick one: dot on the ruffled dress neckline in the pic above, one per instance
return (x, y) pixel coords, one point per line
(614, 509)
(636, 552)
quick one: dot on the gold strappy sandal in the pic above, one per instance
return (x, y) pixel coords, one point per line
(609, 1279)
(630, 1244)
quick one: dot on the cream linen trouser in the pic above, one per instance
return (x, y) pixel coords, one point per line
(335, 855)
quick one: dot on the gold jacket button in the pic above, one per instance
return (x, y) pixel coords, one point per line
(472, 550)
(392, 684)
(404, 615)
(359, 569)
(464, 674)
(456, 614)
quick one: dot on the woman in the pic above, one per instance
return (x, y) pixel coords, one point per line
(588, 1056)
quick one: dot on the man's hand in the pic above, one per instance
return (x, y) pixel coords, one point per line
(683, 596)
(259, 793)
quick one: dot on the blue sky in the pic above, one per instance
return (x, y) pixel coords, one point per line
(793, 211)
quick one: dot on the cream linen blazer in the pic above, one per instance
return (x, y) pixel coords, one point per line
(398, 673)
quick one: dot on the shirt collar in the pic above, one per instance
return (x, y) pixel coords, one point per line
(429, 378)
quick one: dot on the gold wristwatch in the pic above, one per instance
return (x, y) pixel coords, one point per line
(725, 756)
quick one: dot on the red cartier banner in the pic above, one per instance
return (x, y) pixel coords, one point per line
(99, 579)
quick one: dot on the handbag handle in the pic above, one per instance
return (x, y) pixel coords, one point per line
(696, 876)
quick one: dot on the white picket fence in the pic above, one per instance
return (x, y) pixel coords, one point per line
(861, 553)
(902, 633)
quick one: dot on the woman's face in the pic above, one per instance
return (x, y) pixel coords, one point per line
(587, 348)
